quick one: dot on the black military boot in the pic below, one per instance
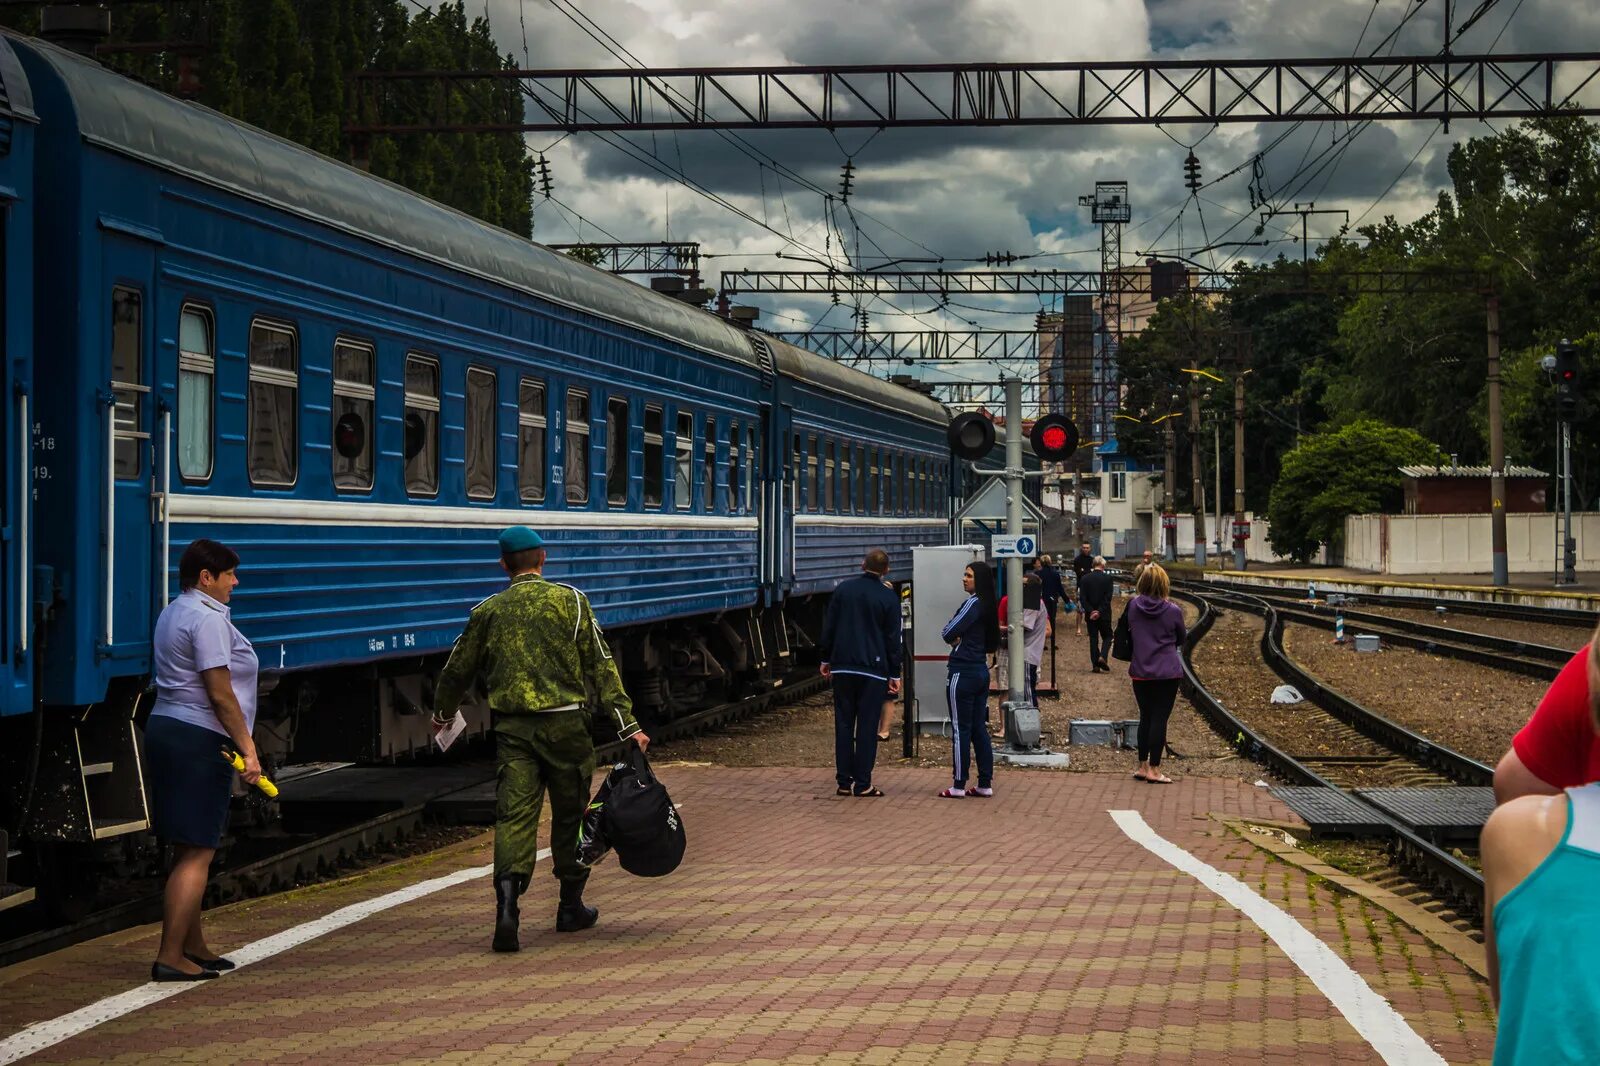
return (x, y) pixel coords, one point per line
(507, 887)
(571, 914)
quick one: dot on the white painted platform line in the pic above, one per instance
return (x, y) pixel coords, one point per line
(1379, 1024)
(42, 1035)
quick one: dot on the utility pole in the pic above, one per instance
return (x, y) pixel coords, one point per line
(1216, 446)
(1197, 502)
(1497, 452)
(1240, 530)
(1169, 517)
(1016, 676)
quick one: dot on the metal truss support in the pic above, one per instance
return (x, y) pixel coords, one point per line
(938, 284)
(643, 257)
(1439, 88)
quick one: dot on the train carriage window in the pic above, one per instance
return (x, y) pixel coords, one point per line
(616, 451)
(683, 447)
(422, 425)
(654, 454)
(750, 465)
(197, 371)
(902, 497)
(734, 464)
(481, 451)
(846, 480)
(531, 442)
(830, 463)
(813, 485)
(354, 397)
(874, 481)
(708, 482)
(127, 376)
(273, 451)
(576, 468)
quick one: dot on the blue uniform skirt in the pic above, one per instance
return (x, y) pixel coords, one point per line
(188, 782)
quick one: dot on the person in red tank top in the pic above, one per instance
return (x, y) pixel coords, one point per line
(1558, 748)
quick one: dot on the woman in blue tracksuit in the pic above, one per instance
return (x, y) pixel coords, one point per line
(973, 634)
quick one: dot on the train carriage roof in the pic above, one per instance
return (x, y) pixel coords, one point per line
(124, 116)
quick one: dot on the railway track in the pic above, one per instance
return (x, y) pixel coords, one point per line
(1408, 756)
(339, 848)
(1517, 656)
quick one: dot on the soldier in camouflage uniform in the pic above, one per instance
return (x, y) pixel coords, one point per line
(540, 650)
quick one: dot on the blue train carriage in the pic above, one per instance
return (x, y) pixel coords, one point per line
(868, 467)
(25, 459)
(357, 388)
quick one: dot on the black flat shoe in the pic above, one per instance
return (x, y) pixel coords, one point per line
(160, 971)
(219, 964)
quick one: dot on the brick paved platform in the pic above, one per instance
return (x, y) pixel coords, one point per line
(806, 928)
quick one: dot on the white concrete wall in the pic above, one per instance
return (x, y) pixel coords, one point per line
(1461, 543)
(1257, 550)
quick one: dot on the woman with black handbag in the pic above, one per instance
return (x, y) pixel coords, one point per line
(1155, 647)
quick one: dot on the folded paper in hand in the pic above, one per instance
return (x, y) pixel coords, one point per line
(446, 735)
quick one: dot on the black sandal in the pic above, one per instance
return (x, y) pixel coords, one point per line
(843, 792)
(870, 792)
(883, 738)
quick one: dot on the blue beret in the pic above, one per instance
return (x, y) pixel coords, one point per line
(519, 539)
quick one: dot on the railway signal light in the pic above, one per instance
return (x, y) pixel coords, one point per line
(971, 435)
(1566, 381)
(1054, 438)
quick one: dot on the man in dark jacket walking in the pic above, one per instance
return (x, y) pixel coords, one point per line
(1050, 587)
(1095, 590)
(861, 657)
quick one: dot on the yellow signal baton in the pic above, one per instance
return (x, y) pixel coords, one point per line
(235, 760)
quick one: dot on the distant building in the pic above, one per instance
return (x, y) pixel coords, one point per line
(1465, 489)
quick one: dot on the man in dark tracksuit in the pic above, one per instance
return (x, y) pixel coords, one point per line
(1095, 591)
(861, 657)
(540, 650)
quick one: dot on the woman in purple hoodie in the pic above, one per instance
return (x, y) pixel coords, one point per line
(1156, 626)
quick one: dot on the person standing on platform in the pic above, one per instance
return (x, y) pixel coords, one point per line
(1082, 563)
(543, 657)
(861, 658)
(1050, 587)
(1156, 627)
(1095, 592)
(973, 634)
(205, 677)
(1035, 631)
(1143, 562)
(1541, 861)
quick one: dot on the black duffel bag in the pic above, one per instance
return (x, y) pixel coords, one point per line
(632, 814)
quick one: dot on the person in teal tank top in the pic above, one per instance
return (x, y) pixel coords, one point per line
(1541, 872)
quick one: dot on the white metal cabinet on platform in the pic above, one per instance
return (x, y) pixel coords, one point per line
(936, 593)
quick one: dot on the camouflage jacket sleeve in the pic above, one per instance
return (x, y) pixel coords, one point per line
(600, 670)
(466, 659)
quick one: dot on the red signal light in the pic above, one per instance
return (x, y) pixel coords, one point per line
(1054, 437)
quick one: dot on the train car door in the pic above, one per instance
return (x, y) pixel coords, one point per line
(15, 479)
(132, 463)
(772, 517)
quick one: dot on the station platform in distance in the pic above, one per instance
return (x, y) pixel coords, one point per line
(1075, 917)
(1531, 590)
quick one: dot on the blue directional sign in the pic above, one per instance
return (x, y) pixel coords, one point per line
(1025, 546)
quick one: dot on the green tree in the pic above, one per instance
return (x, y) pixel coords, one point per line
(1351, 470)
(587, 253)
(286, 66)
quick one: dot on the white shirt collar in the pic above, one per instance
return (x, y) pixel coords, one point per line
(207, 601)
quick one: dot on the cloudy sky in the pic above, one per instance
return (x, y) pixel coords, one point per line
(958, 194)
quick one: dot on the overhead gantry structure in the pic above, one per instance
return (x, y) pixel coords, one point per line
(1438, 87)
